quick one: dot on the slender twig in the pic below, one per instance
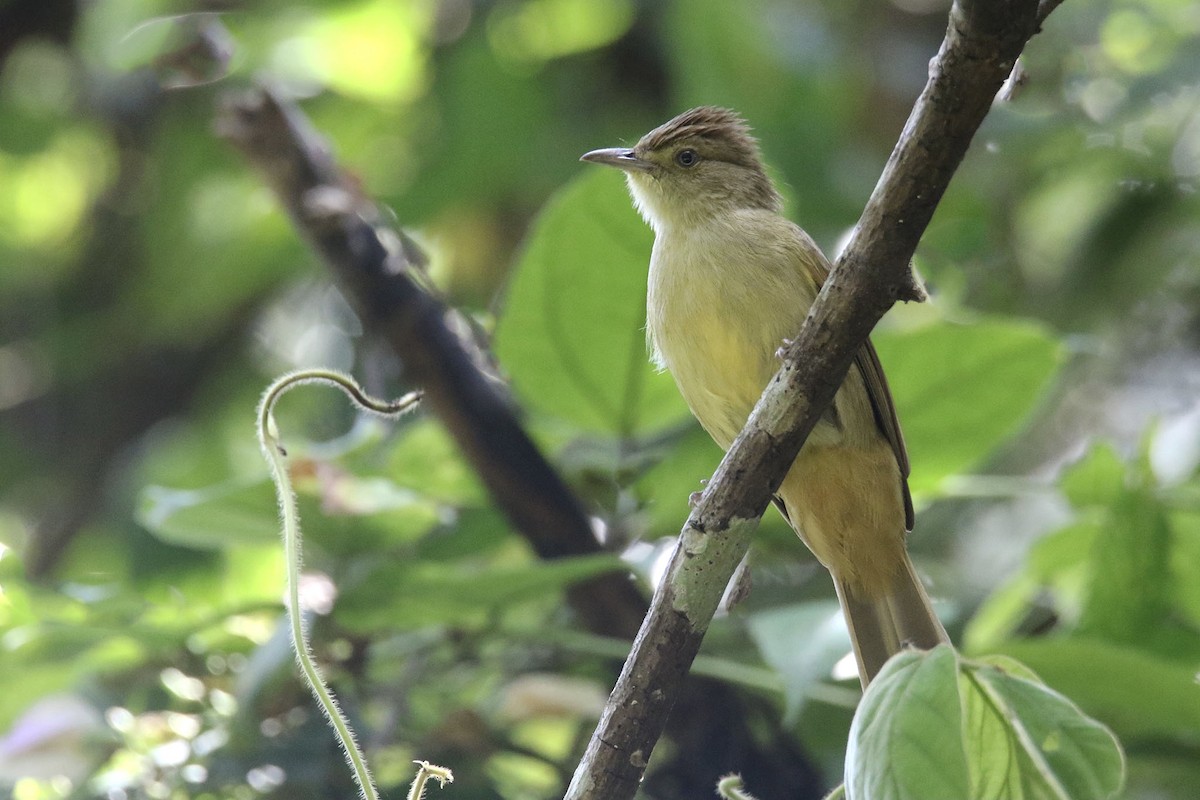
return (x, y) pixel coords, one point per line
(425, 773)
(272, 448)
(731, 787)
(983, 41)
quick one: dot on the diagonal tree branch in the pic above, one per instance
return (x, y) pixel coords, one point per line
(983, 40)
(330, 211)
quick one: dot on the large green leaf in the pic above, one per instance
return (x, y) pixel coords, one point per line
(1129, 583)
(572, 332)
(962, 389)
(1097, 479)
(1185, 565)
(906, 739)
(934, 725)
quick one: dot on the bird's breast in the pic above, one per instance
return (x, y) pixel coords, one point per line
(718, 309)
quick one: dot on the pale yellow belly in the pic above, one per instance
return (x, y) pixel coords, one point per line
(721, 378)
(843, 494)
(721, 369)
(846, 504)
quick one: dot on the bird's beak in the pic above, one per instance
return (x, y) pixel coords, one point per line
(622, 158)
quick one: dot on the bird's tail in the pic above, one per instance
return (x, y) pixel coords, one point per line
(885, 623)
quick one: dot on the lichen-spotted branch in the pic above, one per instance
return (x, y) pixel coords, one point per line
(982, 43)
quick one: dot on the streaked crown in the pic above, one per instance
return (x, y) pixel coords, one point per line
(701, 164)
(721, 131)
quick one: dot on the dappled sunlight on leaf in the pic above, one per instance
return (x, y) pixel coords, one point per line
(372, 49)
(48, 193)
(535, 30)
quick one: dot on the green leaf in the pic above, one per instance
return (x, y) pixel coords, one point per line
(961, 390)
(934, 725)
(906, 741)
(408, 595)
(572, 332)
(1129, 587)
(1063, 551)
(1001, 615)
(801, 643)
(993, 749)
(1009, 666)
(425, 459)
(1063, 754)
(214, 517)
(1185, 564)
(1135, 692)
(1096, 479)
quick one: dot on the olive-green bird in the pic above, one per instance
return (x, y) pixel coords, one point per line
(730, 280)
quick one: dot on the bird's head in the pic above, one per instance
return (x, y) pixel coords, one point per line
(702, 162)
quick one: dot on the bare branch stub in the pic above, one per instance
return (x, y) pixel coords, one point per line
(982, 42)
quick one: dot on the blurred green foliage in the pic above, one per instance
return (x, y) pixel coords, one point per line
(150, 288)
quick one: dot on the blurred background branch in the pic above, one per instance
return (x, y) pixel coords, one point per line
(380, 283)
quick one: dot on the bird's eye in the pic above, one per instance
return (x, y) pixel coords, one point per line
(686, 158)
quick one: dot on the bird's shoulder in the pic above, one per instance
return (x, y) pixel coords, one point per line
(772, 242)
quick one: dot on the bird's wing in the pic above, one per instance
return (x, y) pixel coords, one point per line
(885, 416)
(880, 396)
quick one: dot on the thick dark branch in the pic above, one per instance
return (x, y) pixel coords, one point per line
(982, 43)
(329, 211)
